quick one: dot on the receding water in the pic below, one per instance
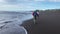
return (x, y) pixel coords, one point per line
(9, 22)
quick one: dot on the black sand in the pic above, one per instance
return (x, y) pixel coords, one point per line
(48, 23)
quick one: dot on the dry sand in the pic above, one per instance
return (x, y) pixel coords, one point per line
(48, 23)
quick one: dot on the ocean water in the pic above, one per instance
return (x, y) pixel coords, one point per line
(10, 22)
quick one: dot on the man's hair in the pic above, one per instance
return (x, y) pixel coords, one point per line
(37, 10)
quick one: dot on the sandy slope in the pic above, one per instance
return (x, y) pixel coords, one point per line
(48, 23)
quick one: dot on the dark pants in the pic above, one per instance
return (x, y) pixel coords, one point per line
(35, 16)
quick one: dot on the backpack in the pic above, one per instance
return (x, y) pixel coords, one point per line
(34, 13)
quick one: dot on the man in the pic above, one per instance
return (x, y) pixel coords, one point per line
(35, 15)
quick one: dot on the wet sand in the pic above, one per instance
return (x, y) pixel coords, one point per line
(48, 23)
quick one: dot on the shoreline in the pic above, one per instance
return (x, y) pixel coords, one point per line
(48, 23)
(24, 24)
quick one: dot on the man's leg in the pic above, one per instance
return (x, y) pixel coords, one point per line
(35, 17)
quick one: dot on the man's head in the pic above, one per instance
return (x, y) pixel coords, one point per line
(36, 10)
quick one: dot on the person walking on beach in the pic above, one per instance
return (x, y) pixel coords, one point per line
(35, 15)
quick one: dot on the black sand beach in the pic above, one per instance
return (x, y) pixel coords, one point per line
(48, 23)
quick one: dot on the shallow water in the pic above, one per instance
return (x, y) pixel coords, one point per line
(10, 21)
